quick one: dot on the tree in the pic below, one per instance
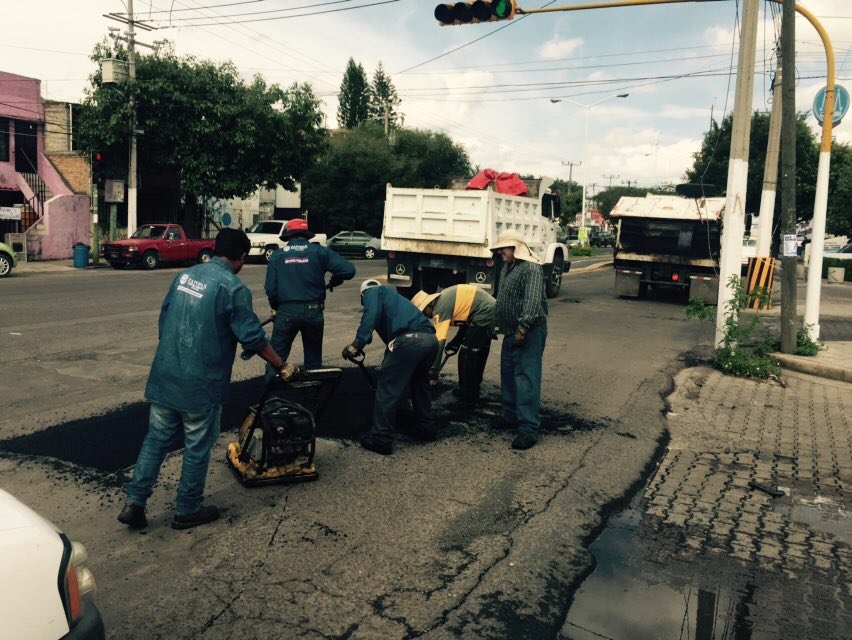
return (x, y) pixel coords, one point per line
(711, 161)
(605, 200)
(354, 99)
(571, 199)
(384, 101)
(346, 187)
(839, 215)
(219, 136)
(426, 159)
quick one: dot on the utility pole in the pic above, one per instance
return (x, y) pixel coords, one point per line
(571, 166)
(770, 170)
(131, 167)
(788, 177)
(611, 178)
(629, 183)
(387, 118)
(734, 222)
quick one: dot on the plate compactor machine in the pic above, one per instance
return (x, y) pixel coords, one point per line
(277, 440)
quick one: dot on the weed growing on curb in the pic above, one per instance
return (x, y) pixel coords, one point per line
(746, 347)
(805, 346)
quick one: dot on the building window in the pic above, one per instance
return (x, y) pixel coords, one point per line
(4, 140)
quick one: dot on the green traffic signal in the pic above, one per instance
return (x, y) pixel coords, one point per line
(475, 12)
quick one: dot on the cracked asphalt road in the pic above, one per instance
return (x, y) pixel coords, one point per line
(462, 537)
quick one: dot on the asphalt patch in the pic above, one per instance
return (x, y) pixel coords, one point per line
(111, 442)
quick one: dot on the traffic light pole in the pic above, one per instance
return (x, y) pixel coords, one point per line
(131, 169)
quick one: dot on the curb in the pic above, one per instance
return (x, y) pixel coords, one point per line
(807, 365)
(595, 267)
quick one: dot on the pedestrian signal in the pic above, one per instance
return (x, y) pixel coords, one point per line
(474, 12)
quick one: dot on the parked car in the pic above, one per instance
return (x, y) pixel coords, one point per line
(844, 253)
(34, 604)
(602, 239)
(152, 244)
(7, 260)
(572, 240)
(267, 236)
(356, 243)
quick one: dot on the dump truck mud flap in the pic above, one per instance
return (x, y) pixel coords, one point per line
(628, 282)
(704, 288)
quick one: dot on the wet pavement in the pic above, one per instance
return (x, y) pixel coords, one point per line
(744, 530)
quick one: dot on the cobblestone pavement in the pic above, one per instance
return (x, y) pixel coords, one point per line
(729, 438)
(706, 550)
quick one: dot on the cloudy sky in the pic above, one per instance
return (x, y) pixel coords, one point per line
(490, 87)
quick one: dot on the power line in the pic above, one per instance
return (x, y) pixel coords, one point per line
(273, 18)
(256, 13)
(212, 6)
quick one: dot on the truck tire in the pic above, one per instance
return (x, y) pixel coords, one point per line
(116, 264)
(554, 277)
(150, 260)
(205, 255)
(268, 251)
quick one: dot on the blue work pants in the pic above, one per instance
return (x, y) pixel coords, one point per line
(298, 317)
(200, 430)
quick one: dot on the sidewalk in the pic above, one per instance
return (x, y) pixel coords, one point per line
(53, 266)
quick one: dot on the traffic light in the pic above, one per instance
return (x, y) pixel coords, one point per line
(98, 167)
(474, 12)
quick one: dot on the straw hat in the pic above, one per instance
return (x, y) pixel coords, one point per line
(512, 238)
(421, 299)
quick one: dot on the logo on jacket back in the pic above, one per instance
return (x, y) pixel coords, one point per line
(190, 286)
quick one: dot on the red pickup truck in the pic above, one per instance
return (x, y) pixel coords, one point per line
(156, 243)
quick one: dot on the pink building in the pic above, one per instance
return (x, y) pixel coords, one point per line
(49, 205)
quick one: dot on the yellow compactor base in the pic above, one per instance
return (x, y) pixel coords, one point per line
(247, 472)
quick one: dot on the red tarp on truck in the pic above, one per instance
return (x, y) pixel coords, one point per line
(508, 183)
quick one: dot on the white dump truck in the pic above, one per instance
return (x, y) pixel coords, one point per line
(440, 237)
(668, 241)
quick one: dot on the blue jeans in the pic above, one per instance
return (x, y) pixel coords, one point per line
(200, 430)
(520, 379)
(293, 318)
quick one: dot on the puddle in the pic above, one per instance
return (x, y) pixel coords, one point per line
(632, 593)
(819, 514)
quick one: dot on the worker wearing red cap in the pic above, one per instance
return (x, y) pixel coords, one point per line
(296, 287)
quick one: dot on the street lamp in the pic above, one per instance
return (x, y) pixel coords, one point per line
(587, 108)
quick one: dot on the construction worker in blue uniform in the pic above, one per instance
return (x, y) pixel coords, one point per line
(411, 350)
(295, 286)
(206, 312)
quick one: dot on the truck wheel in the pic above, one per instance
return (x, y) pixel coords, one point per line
(554, 279)
(150, 260)
(267, 253)
(205, 255)
(369, 253)
(116, 264)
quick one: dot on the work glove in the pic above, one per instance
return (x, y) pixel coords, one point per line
(452, 347)
(351, 351)
(520, 336)
(288, 372)
(334, 282)
(433, 379)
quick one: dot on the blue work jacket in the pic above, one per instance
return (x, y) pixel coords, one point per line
(206, 312)
(390, 315)
(296, 273)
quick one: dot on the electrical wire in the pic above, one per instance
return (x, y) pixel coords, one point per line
(255, 13)
(275, 18)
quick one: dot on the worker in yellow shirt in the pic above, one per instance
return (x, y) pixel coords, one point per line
(471, 309)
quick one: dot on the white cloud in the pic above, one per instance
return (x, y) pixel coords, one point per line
(557, 48)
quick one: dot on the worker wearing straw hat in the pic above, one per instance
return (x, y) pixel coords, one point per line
(521, 316)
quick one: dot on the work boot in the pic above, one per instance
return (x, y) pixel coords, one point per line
(423, 435)
(205, 514)
(376, 446)
(523, 441)
(133, 516)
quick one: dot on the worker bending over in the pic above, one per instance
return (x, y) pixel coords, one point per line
(471, 309)
(411, 350)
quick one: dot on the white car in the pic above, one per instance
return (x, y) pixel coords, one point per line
(46, 591)
(266, 238)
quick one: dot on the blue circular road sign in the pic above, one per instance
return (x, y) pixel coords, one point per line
(226, 219)
(841, 104)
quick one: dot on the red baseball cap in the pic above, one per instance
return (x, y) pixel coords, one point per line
(298, 225)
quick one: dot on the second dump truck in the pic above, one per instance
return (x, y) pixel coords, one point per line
(668, 241)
